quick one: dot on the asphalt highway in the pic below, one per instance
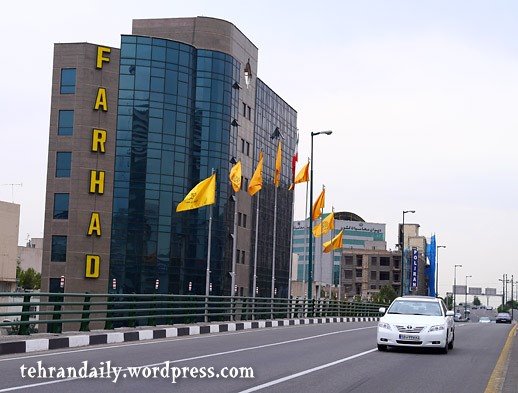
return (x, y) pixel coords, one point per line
(339, 357)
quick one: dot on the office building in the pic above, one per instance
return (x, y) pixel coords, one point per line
(133, 130)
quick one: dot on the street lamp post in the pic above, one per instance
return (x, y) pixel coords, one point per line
(455, 284)
(310, 253)
(402, 245)
(437, 270)
(466, 297)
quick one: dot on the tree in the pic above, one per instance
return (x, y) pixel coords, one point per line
(476, 301)
(449, 302)
(386, 295)
(28, 279)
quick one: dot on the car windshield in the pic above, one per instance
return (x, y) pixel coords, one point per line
(415, 307)
(503, 314)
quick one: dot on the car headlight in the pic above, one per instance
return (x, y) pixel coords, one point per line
(436, 328)
(384, 325)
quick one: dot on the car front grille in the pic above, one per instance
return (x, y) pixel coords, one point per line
(409, 329)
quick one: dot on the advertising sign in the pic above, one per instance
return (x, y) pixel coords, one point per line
(415, 260)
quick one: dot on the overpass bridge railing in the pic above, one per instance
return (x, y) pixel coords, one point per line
(27, 312)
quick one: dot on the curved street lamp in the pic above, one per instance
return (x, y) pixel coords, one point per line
(310, 253)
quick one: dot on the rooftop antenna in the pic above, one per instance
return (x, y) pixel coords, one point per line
(12, 188)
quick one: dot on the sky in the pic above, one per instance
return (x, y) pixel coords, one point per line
(421, 97)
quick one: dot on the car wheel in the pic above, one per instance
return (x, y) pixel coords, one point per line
(444, 349)
(382, 348)
(450, 345)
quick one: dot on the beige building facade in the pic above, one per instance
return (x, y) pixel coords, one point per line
(10, 224)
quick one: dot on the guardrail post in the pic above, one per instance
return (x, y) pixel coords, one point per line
(151, 321)
(85, 315)
(56, 327)
(132, 314)
(108, 324)
(24, 327)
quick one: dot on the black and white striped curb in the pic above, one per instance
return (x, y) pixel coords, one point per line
(79, 340)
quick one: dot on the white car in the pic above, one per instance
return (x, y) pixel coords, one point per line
(416, 321)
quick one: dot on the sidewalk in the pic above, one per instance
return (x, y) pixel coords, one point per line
(511, 378)
(10, 344)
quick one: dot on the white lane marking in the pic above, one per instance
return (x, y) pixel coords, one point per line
(197, 357)
(305, 372)
(152, 342)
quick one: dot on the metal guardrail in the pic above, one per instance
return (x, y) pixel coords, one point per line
(78, 310)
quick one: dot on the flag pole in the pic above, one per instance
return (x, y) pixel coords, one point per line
(254, 285)
(321, 253)
(305, 245)
(234, 251)
(234, 255)
(207, 274)
(274, 243)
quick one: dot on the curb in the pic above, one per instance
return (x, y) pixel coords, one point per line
(45, 344)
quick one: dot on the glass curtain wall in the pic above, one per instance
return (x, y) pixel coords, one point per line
(175, 110)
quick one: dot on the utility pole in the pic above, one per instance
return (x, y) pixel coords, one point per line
(512, 297)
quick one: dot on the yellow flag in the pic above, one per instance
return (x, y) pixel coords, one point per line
(204, 193)
(318, 205)
(278, 165)
(256, 183)
(235, 176)
(325, 226)
(336, 242)
(302, 176)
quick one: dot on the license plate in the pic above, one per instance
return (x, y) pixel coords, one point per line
(408, 337)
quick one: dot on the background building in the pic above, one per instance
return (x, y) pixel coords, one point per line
(365, 272)
(412, 240)
(132, 131)
(357, 234)
(31, 255)
(10, 219)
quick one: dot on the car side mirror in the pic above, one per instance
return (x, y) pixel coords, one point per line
(450, 313)
(382, 310)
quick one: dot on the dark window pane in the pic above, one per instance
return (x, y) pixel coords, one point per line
(68, 81)
(59, 249)
(63, 163)
(66, 122)
(61, 206)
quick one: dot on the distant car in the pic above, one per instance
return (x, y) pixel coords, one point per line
(484, 320)
(416, 321)
(489, 307)
(503, 317)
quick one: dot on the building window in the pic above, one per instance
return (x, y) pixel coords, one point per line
(249, 112)
(66, 122)
(374, 287)
(68, 81)
(384, 261)
(348, 274)
(239, 218)
(244, 220)
(59, 249)
(55, 285)
(60, 206)
(384, 276)
(374, 276)
(244, 109)
(63, 163)
(396, 262)
(374, 261)
(243, 254)
(359, 273)
(348, 259)
(244, 183)
(359, 260)
(248, 149)
(396, 276)
(242, 146)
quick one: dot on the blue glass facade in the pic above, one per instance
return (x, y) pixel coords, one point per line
(273, 112)
(175, 108)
